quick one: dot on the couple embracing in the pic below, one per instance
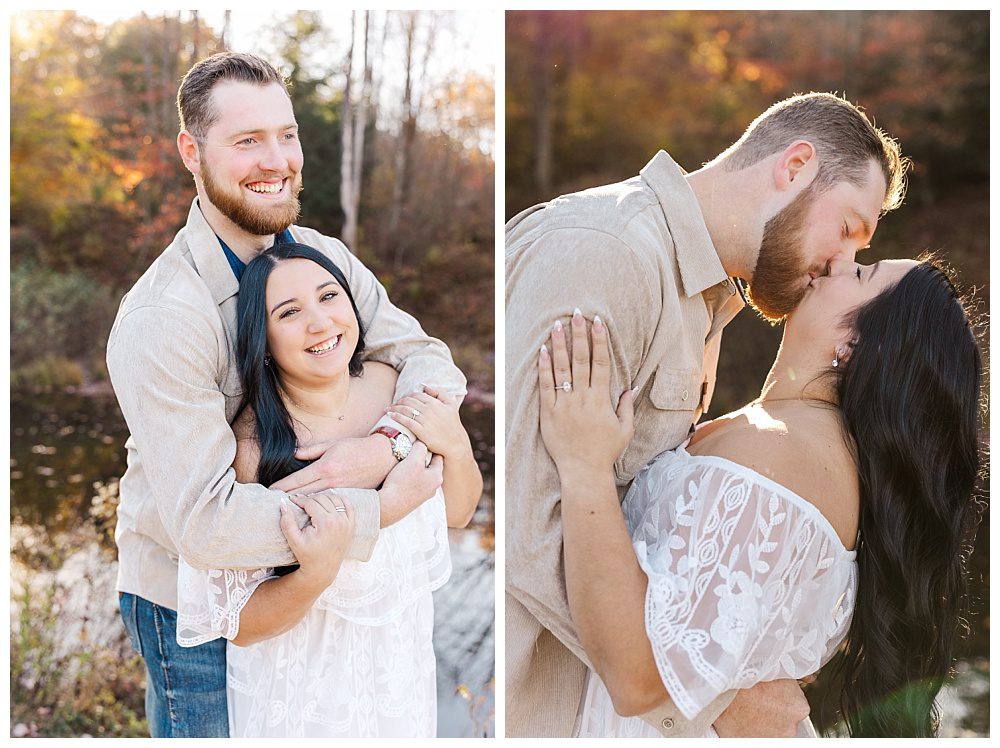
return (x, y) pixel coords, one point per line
(666, 577)
(295, 454)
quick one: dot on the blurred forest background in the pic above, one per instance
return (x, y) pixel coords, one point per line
(397, 129)
(592, 96)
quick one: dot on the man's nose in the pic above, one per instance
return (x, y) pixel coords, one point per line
(272, 159)
(846, 254)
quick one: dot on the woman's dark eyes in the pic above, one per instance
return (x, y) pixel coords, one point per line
(330, 295)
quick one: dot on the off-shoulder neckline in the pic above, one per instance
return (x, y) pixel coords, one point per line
(772, 485)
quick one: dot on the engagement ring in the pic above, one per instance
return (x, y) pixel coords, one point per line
(416, 413)
(566, 387)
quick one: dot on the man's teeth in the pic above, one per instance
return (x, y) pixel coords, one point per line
(269, 189)
(324, 347)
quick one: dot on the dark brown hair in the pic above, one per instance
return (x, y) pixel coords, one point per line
(194, 98)
(910, 401)
(844, 139)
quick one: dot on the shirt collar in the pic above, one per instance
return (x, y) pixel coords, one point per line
(697, 259)
(238, 266)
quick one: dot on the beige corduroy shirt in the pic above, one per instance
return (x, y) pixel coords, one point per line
(172, 365)
(638, 254)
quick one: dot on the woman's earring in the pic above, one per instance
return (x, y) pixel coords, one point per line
(836, 362)
(267, 360)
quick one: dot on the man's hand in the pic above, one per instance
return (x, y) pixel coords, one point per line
(768, 710)
(409, 485)
(362, 462)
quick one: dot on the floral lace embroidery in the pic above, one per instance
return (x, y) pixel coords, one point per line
(360, 664)
(747, 582)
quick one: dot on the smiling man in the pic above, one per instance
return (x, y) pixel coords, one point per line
(172, 364)
(655, 257)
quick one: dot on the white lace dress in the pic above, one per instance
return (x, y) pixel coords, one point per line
(360, 664)
(748, 582)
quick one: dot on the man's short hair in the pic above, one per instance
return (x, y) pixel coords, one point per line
(194, 98)
(844, 139)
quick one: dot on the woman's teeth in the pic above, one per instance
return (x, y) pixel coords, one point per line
(327, 346)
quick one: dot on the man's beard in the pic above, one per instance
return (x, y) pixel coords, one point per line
(777, 286)
(253, 219)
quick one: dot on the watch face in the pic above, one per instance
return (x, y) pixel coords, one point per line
(403, 442)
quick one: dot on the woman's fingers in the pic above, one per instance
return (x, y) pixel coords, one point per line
(407, 420)
(581, 350)
(600, 370)
(626, 411)
(546, 387)
(560, 358)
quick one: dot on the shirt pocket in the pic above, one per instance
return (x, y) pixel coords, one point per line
(664, 412)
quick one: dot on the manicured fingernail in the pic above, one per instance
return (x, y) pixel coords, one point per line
(577, 314)
(598, 324)
(635, 392)
(557, 327)
(543, 352)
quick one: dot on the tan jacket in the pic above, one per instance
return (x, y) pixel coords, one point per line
(638, 254)
(172, 364)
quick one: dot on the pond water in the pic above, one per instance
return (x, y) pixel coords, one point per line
(61, 444)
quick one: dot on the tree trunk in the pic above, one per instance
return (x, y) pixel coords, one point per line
(353, 145)
(404, 144)
(543, 108)
(195, 38)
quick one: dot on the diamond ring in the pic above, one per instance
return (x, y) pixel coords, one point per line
(566, 387)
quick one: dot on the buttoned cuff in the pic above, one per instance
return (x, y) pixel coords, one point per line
(365, 507)
(671, 723)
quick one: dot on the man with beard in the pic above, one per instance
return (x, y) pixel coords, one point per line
(172, 364)
(656, 257)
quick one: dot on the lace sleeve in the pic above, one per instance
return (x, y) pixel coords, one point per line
(748, 582)
(209, 602)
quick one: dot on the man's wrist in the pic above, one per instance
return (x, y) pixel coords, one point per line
(383, 450)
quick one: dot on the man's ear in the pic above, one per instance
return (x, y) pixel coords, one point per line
(190, 151)
(796, 166)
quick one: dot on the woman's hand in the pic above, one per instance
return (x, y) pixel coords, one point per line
(580, 428)
(433, 418)
(321, 545)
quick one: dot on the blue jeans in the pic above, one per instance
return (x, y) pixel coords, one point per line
(185, 686)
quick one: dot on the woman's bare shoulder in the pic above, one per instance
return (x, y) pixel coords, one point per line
(805, 451)
(379, 372)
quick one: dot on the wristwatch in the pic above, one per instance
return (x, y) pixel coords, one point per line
(400, 442)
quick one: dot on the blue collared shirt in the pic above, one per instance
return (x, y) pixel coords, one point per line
(238, 266)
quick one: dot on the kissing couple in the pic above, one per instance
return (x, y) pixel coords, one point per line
(666, 577)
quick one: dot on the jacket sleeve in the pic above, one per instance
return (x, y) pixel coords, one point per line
(562, 270)
(392, 336)
(164, 367)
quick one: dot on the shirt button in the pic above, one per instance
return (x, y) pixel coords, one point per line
(684, 395)
(668, 724)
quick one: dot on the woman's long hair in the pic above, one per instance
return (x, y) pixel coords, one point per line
(909, 397)
(260, 381)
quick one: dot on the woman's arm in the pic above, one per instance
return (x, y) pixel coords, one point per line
(605, 585)
(280, 603)
(277, 604)
(433, 418)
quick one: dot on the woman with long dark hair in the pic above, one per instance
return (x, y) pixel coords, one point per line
(331, 647)
(830, 514)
